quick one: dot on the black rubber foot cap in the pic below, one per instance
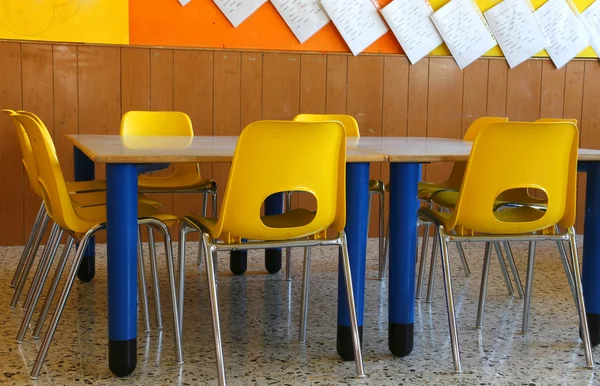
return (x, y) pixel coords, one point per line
(273, 260)
(238, 262)
(87, 269)
(345, 345)
(401, 339)
(122, 356)
(594, 327)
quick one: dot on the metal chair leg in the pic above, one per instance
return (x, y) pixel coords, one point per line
(30, 242)
(37, 287)
(423, 262)
(37, 366)
(214, 303)
(502, 263)
(305, 290)
(288, 251)
(463, 259)
(214, 204)
(434, 251)
(155, 281)
(484, 282)
(513, 268)
(41, 265)
(360, 371)
(528, 287)
(589, 359)
(449, 300)
(143, 295)
(29, 262)
(382, 260)
(567, 267)
(204, 204)
(181, 271)
(57, 275)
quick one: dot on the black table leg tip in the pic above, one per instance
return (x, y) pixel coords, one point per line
(238, 262)
(345, 345)
(594, 328)
(401, 339)
(122, 356)
(87, 269)
(273, 260)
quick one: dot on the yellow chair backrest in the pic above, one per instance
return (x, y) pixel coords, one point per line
(554, 120)
(151, 123)
(50, 179)
(27, 157)
(458, 169)
(282, 156)
(346, 120)
(542, 156)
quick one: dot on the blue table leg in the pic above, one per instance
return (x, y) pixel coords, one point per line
(591, 251)
(357, 210)
(122, 214)
(84, 170)
(404, 178)
(273, 205)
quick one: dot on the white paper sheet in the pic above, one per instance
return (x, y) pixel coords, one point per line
(464, 30)
(592, 18)
(517, 30)
(238, 10)
(411, 23)
(304, 17)
(358, 22)
(567, 34)
(184, 2)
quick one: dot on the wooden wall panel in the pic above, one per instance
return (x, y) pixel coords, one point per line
(11, 169)
(337, 78)
(251, 88)
(475, 91)
(497, 83)
(553, 89)
(135, 79)
(523, 91)
(281, 86)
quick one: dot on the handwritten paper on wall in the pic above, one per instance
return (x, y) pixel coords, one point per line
(184, 2)
(304, 17)
(238, 10)
(464, 30)
(566, 33)
(358, 22)
(517, 30)
(410, 21)
(592, 18)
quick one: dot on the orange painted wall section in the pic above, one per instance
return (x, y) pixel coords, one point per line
(201, 24)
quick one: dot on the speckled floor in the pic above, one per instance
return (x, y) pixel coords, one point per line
(259, 319)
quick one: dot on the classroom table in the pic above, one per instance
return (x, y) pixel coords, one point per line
(405, 156)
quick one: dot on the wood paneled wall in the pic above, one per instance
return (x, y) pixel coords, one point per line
(86, 89)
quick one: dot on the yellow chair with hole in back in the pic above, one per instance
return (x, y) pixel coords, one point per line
(543, 156)
(274, 157)
(81, 223)
(375, 186)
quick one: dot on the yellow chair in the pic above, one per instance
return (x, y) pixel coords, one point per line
(80, 223)
(375, 186)
(273, 157)
(543, 156)
(186, 177)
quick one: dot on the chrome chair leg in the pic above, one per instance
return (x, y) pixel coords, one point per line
(423, 262)
(204, 204)
(181, 271)
(360, 371)
(29, 262)
(37, 366)
(305, 290)
(484, 282)
(382, 259)
(463, 259)
(502, 263)
(57, 275)
(37, 286)
(513, 268)
(41, 265)
(155, 281)
(214, 203)
(288, 251)
(143, 295)
(528, 287)
(434, 251)
(589, 359)
(449, 299)
(28, 245)
(214, 303)
(567, 267)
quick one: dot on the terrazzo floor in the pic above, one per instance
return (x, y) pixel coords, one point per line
(259, 320)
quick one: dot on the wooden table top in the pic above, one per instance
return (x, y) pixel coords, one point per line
(140, 149)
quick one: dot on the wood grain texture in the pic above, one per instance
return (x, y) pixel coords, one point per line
(281, 86)
(523, 92)
(552, 98)
(11, 169)
(337, 78)
(135, 79)
(475, 92)
(497, 83)
(251, 88)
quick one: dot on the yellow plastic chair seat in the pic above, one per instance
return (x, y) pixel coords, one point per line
(292, 219)
(86, 186)
(448, 198)
(173, 182)
(99, 198)
(374, 185)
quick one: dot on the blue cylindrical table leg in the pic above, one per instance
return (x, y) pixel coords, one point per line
(591, 251)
